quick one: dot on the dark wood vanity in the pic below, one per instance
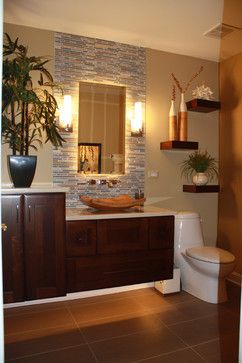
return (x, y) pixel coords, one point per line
(45, 256)
(115, 252)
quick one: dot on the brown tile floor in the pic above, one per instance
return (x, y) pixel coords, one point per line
(134, 326)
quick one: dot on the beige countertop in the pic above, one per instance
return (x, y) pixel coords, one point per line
(45, 188)
(73, 214)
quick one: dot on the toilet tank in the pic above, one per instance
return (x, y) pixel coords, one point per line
(188, 232)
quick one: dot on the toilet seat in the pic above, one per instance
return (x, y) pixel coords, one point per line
(210, 254)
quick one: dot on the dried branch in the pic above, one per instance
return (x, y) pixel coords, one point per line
(189, 83)
(177, 82)
(173, 93)
(192, 79)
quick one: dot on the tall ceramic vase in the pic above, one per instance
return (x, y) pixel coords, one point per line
(172, 127)
(182, 120)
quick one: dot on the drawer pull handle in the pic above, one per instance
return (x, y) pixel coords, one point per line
(4, 227)
(29, 213)
(17, 213)
(82, 240)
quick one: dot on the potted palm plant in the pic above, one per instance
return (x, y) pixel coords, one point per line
(28, 112)
(201, 166)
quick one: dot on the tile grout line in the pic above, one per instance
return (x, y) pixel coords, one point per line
(45, 352)
(83, 336)
(35, 330)
(160, 355)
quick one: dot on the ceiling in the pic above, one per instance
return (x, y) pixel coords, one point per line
(176, 26)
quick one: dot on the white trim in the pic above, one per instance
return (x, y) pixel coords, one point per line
(82, 295)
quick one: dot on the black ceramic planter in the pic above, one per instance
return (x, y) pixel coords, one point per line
(21, 170)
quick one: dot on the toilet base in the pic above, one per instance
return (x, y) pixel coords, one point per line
(214, 298)
(208, 288)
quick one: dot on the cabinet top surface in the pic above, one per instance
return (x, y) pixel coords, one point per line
(33, 189)
(135, 212)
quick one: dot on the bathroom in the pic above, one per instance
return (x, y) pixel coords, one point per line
(164, 188)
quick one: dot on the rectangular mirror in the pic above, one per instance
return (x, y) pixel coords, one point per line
(101, 129)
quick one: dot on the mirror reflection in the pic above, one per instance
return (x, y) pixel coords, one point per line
(101, 129)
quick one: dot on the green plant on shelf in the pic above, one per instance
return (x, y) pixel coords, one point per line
(200, 162)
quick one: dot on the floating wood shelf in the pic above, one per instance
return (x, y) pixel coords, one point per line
(200, 105)
(201, 188)
(179, 145)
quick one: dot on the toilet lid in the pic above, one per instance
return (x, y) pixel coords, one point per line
(210, 254)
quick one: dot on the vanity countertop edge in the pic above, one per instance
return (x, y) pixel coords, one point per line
(75, 214)
(34, 189)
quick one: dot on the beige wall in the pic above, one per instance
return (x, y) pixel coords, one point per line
(167, 188)
(40, 43)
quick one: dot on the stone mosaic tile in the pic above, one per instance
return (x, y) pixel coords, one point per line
(95, 60)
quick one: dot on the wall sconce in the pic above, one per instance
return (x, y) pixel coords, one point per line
(137, 121)
(66, 115)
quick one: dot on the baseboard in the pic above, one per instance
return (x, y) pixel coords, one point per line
(235, 278)
(82, 295)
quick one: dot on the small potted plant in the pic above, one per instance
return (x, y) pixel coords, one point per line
(28, 112)
(201, 166)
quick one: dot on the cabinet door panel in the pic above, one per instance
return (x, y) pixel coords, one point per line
(96, 272)
(12, 248)
(81, 238)
(122, 235)
(161, 232)
(44, 245)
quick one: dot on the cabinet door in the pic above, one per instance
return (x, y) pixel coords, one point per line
(122, 235)
(81, 238)
(161, 232)
(12, 248)
(44, 247)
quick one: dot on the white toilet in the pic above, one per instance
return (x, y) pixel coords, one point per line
(203, 269)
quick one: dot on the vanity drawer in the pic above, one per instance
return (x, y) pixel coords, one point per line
(81, 238)
(161, 232)
(96, 272)
(122, 235)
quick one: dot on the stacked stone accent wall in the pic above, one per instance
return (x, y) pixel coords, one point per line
(93, 60)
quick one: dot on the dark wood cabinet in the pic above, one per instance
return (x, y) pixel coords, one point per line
(35, 261)
(128, 251)
(122, 235)
(81, 238)
(12, 248)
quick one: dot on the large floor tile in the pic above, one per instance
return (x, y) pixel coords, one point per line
(207, 328)
(33, 308)
(223, 350)
(79, 354)
(180, 356)
(108, 328)
(172, 315)
(82, 313)
(44, 340)
(196, 309)
(153, 301)
(37, 320)
(179, 297)
(136, 346)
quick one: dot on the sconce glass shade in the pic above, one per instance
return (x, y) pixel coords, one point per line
(66, 114)
(137, 120)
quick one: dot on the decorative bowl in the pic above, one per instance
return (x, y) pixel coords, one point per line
(112, 204)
